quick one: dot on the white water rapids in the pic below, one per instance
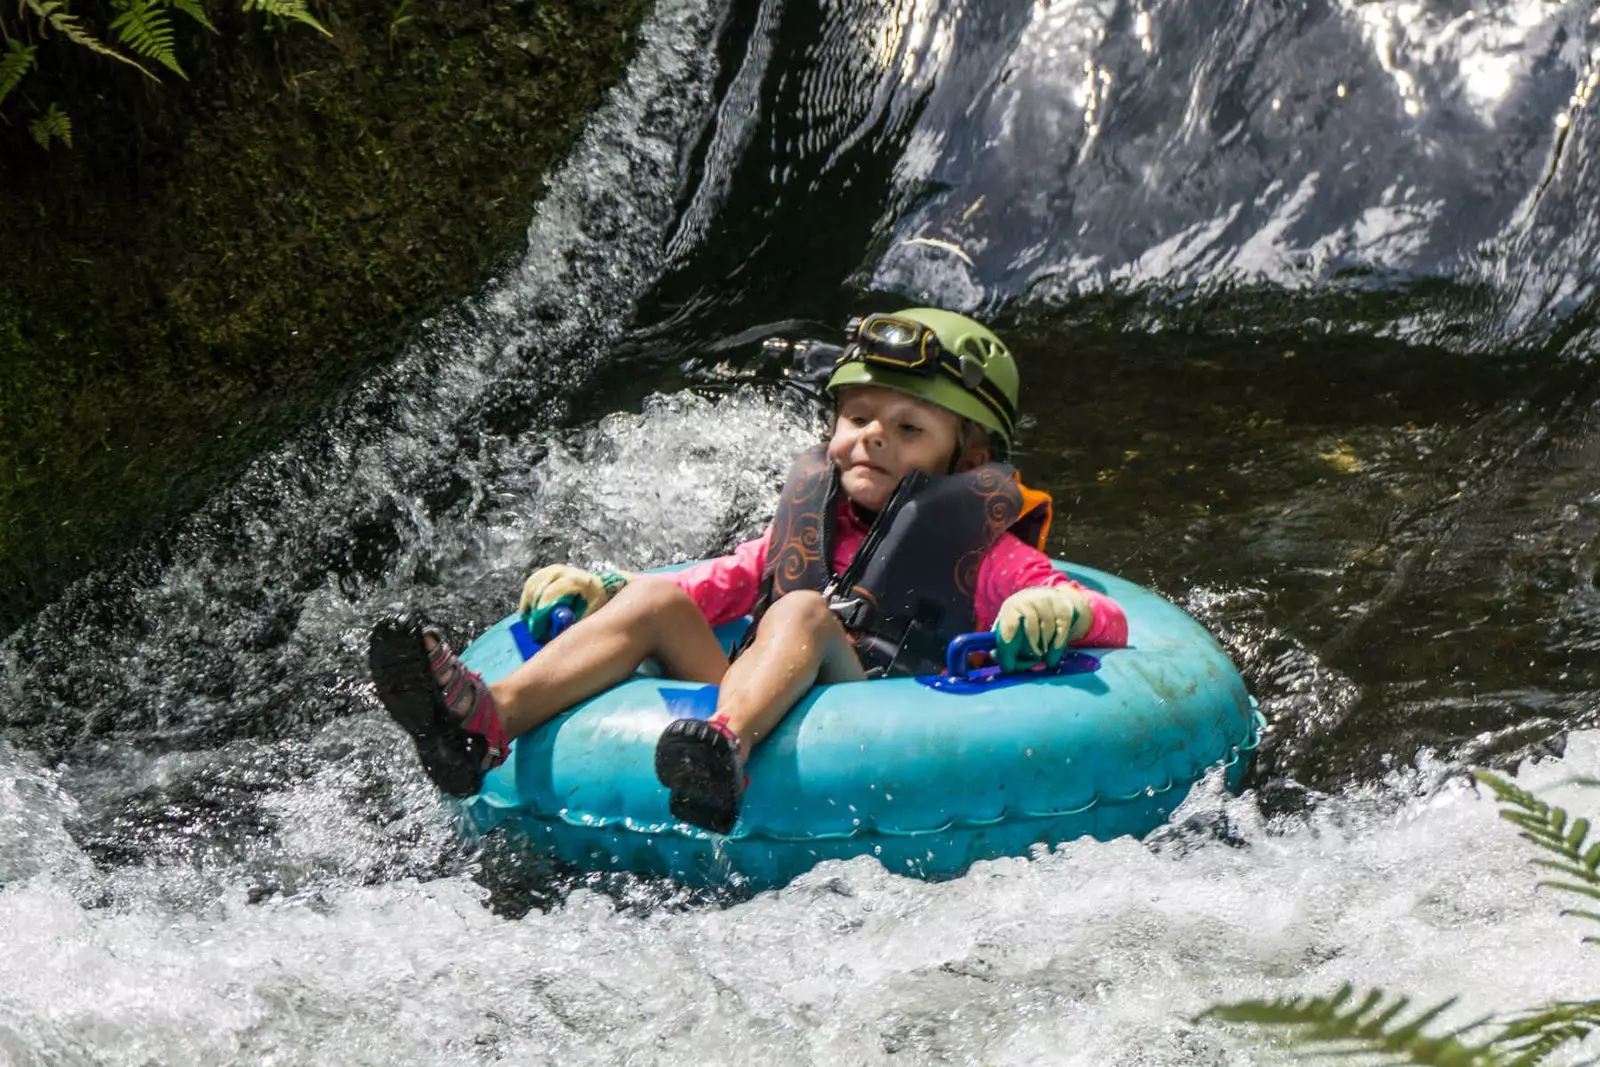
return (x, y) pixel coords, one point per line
(1096, 954)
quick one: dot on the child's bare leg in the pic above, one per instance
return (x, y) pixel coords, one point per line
(462, 727)
(799, 644)
(650, 617)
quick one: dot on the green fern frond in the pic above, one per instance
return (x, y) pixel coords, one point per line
(54, 13)
(145, 29)
(1533, 1036)
(1593, 916)
(193, 9)
(13, 65)
(287, 9)
(1336, 1026)
(1549, 828)
(52, 125)
(1538, 1050)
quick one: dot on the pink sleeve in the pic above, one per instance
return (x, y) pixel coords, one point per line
(1012, 565)
(725, 588)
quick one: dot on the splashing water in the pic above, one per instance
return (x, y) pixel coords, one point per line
(1096, 953)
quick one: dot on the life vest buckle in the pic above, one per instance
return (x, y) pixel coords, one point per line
(851, 613)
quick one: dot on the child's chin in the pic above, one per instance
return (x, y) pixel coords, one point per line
(869, 497)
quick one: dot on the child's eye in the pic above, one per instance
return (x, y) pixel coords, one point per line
(910, 429)
(855, 420)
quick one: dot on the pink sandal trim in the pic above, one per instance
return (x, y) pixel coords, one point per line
(719, 724)
(483, 718)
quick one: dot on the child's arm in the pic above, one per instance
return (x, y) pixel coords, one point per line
(1012, 566)
(723, 588)
(727, 587)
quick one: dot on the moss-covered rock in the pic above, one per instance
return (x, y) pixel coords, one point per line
(213, 259)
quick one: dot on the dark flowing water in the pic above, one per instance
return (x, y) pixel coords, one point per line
(1304, 296)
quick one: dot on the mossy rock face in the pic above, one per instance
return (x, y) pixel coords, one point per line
(213, 259)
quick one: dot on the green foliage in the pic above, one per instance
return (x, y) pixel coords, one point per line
(398, 19)
(1532, 1036)
(1342, 1026)
(143, 27)
(53, 125)
(1334, 1025)
(287, 9)
(193, 9)
(1550, 829)
(53, 13)
(13, 65)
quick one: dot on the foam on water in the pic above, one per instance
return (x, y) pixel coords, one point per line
(1097, 953)
(684, 478)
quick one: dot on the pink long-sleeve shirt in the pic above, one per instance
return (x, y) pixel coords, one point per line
(727, 587)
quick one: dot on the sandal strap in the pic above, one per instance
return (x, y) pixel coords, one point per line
(456, 679)
(720, 724)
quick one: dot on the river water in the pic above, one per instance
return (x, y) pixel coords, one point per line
(1305, 304)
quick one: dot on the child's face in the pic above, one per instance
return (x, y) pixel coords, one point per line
(880, 436)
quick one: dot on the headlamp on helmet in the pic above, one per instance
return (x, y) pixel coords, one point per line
(918, 362)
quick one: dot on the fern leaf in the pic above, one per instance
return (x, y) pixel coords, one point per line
(1326, 1025)
(147, 30)
(1533, 1036)
(287, 9)
(193, 9)
(1538, 1050)
(1560, 867)
(13, 65)
(52, 125)
(1583, 890)
(54, 13)
(1547, 827)
(1538, 823)
(1505, 791)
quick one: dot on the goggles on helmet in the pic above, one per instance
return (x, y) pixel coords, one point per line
(908, 346)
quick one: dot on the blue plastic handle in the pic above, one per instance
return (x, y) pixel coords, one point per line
(560, 619)
(958, 653)
(961, 678)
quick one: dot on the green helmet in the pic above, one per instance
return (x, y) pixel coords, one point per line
(974, 376)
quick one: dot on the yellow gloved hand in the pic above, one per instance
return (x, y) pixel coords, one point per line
(1036, 624)
(561, 585)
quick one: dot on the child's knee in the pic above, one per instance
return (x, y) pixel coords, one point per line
(803, 608)
(651, 595)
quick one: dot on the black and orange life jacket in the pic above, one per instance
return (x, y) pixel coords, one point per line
(912, 584)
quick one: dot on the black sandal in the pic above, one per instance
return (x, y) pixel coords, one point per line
(419, 687)
(699, 761)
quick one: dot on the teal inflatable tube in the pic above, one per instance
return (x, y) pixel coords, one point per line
(926, 775)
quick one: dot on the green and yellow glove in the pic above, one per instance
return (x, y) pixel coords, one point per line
(1036, 624)
(560, 585)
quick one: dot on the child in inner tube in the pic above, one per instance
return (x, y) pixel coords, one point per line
(925, 405)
